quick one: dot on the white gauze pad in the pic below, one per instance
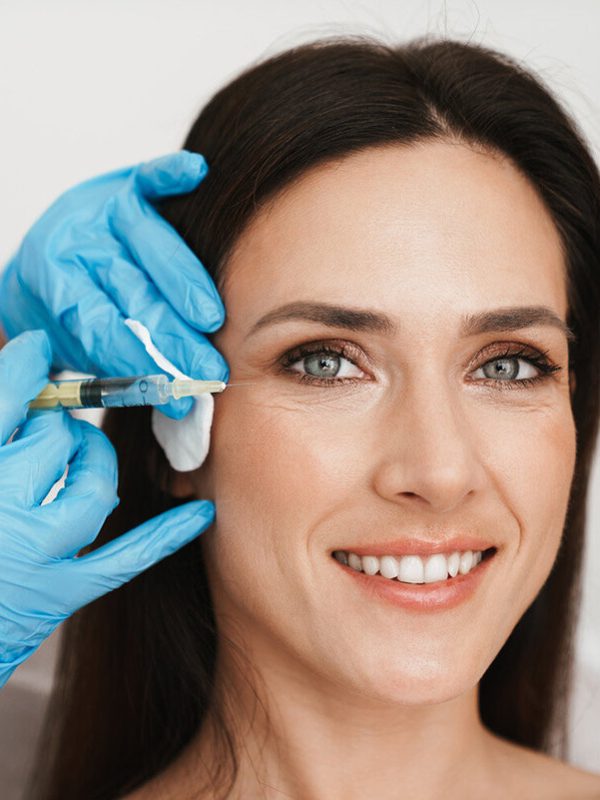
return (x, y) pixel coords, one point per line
(185, 441)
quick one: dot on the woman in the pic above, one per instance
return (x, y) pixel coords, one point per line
(406, 242)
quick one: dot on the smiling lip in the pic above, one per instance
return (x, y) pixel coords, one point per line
(420, 547)
(422, 597)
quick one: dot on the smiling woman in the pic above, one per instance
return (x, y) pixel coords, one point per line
(406, 240)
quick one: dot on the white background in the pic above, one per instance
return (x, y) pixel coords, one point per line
(86, 87)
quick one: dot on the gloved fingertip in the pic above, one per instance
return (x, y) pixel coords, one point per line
(176, 173)
(191, 170)
(205, 508)
(213, 316)
(210, 365)
(197, 163)
(193, 514)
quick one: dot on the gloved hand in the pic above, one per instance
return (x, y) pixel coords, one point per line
(41, 580)
(100, 254)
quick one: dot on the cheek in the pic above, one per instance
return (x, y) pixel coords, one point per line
(282, 465)
(283, 473)
(535, 459)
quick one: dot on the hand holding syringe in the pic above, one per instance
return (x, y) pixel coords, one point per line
(102, 256)
(136, 390)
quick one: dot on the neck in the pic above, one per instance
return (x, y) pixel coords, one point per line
(302, 735)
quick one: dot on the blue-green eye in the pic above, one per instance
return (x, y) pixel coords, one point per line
(329, 364)
(324, 358)
(508, 362)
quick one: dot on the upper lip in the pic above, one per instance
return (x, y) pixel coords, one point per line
(420, 547)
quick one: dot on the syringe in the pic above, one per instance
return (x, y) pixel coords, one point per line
(136, 390)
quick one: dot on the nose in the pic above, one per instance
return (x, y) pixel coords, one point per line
(428, 453)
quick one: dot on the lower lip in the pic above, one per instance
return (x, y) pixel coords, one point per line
(423, 596)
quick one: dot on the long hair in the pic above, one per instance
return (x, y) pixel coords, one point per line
(136, 672)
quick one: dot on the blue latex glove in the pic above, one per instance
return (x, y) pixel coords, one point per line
(102, 253)
(41, 580)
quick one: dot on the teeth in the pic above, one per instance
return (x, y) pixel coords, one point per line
(453, 564)
(413, 569)
(370, 564)
(466, 562)
(388, 566)
(436, 568)
(354, 561)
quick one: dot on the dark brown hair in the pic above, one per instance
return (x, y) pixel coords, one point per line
(136, 672)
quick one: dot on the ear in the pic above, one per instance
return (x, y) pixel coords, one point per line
(572, 380)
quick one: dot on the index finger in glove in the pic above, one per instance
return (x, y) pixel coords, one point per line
(122, 559)
(25, 362)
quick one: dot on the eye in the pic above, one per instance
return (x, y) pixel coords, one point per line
(507, 366)
(323, 363)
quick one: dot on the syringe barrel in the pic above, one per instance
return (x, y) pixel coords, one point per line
(139, 390)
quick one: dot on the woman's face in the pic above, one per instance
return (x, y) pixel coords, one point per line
(422, 443)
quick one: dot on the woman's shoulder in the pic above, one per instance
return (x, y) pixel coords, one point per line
(562, 781)
(537, 775)
(568, 781)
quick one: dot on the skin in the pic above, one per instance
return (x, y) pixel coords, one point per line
(367, 699)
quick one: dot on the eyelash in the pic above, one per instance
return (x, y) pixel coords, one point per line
(537, 359)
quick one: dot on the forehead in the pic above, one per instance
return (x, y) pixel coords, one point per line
(417, 230)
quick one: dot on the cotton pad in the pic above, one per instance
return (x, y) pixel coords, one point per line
(185, 441)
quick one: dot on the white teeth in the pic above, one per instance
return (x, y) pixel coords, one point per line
(388, 566)
(466, 562)
(453, 564)
(436, 568)
(413, 569)
(370, 565)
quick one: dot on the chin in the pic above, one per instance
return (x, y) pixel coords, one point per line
(413, 682)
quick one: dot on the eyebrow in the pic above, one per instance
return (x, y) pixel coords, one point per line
(511, 318)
